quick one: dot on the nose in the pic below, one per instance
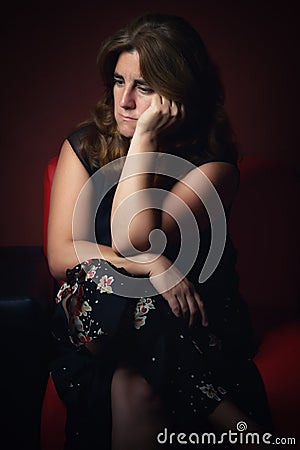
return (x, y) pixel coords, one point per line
(127, 100)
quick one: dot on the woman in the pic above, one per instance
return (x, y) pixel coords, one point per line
(128, 364)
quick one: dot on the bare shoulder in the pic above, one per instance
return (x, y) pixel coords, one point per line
(225, 178)
(68, 160)
(70, 173)
(69, 178)
(220, 169)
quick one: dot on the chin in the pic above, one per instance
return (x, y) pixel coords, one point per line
(126, 131)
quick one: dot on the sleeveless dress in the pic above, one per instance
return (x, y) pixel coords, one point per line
(192, 371)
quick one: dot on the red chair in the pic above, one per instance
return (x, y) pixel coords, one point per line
(53, 411)
(265, 230)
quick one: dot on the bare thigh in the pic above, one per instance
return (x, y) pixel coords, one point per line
(137, 412)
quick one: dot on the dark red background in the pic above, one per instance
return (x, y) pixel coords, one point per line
(49, 83)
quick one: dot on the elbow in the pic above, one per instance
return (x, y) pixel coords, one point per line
(140, 234)
(61, 256)
(140, 244)
(136, 242)
(127, 251)
(56, 268)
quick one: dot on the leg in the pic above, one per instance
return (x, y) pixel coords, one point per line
(137, 413)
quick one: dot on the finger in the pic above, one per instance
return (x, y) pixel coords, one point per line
(178, 306)
(174, 110)
(193, 310)
(164, 107)
(165, 101)
(173, 303)
(168, 103)
(185, 311)
(201, 309)
(157, 100)
(182, 111)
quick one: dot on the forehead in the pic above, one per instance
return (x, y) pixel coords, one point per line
(128, 65)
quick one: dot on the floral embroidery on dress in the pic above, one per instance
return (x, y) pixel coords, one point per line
(210, 391)
(197, 347)
(77, 308)
(104, 284)
(141, 309)
(65, 292)
(91, 273)
(85, 307)
(100, 332)
(222, 390)
(84, 339)
(76, 323)
(214, 341)
(75, 291)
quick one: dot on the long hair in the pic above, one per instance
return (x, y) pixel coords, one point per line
(175, 63)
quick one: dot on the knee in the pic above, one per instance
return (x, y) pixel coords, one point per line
(133, 388)
(141, 391)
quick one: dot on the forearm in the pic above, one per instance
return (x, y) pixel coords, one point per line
(134, 189)
(73, 252)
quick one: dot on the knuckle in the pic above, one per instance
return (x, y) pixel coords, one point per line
(190, 285)
(185, 309)
(194, 309)
(200, 303)
(175, 309)
(193, 314)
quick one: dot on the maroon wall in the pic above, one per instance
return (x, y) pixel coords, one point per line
(50, 82)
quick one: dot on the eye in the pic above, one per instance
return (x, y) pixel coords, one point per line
(118, 81)
(145, 89)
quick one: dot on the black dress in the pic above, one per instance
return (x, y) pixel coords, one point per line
(191, 371)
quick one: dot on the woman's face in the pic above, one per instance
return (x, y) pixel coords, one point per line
(132, 95)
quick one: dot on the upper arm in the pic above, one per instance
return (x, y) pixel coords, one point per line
(208, 188)
(69, 178)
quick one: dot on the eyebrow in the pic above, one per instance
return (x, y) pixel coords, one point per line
(138, 81)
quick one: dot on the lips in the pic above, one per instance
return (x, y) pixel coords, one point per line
(127, 117)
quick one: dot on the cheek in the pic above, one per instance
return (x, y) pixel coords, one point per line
(115, 97)
(144, 104)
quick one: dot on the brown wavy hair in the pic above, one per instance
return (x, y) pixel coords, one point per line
(175, 63)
